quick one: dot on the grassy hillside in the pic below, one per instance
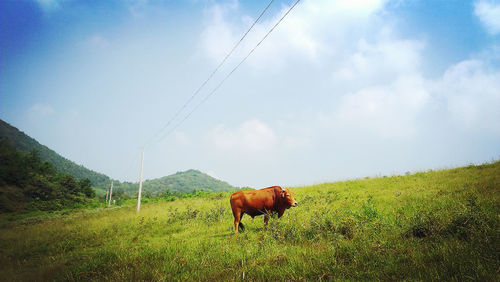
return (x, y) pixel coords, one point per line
(437, 225)
(23, 142)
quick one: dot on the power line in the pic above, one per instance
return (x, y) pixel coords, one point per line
(125, 172)
(230, 73)
(209, 77)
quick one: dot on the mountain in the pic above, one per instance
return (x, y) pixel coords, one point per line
(27, 183)
(187, 181)
(22, 142)
(180, 182)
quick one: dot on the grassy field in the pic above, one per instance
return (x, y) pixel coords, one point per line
(436, 225)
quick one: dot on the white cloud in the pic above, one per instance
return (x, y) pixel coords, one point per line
(488, 13)
(41, 110)
(252, 136)
(218, 37)
(386, 110)
(50, 6)
(311, 31)
(467, 95)
(472, 93)
(382, 61)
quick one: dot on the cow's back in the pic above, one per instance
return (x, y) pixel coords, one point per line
(253, 200)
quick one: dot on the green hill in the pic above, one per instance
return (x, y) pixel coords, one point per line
(180, 182)
(28, 184)
(429, 226)
(24, 143)
(187, 181)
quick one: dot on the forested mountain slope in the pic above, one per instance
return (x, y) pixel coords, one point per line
(180, 182)
(23, 142)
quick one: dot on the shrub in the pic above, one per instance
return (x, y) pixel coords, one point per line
(215, 214)
(423, 225)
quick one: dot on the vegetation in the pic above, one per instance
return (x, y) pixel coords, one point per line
(437, 225)
(24, 143)
(180, 182)
(27, 183)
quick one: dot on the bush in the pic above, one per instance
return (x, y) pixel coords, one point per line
(423, 225)
(215, 214)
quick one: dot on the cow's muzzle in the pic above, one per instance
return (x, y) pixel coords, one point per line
(295, 204)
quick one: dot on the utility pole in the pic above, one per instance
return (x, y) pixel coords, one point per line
(107, 195)
(140, 183)
(110, 193)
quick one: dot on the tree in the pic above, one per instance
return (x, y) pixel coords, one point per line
(86, 188)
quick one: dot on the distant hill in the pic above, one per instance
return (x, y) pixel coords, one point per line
(23, 142)
(181, 182)
(187, 181)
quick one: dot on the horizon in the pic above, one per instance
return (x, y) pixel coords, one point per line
(340, 90)
(296, 186)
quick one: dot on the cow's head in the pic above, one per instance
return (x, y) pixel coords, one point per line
(288, 197)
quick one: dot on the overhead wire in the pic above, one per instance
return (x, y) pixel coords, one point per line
(230, 73)
(208, 79)
(212, 74)
(127, 169)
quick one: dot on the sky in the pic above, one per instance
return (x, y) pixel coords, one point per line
(340, 89)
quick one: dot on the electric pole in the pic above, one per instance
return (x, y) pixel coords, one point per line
(110, 193)
(140, 183)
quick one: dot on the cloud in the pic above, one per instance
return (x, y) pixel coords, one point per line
(471, 91)
(252, 136)
(385, 110)
(467, 94)
(381, 61)
(218, 37)
(41, 110)
(306, 34)
(50, 6)
(488, 13)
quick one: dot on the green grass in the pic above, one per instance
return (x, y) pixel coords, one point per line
(437, 225)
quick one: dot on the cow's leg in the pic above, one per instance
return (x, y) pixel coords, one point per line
(236, 222)
(237, 218)
(240, 225)
(280, 213)
(266, 219)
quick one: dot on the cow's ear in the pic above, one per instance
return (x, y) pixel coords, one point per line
(283, 193)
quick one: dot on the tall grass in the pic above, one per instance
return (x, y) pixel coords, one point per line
(437, 225)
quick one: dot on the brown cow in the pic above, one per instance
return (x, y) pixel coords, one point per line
(258, 202)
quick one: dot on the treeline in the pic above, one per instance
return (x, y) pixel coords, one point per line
(27, 183)
(166, 196)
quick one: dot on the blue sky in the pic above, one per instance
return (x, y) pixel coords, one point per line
(341, 89)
